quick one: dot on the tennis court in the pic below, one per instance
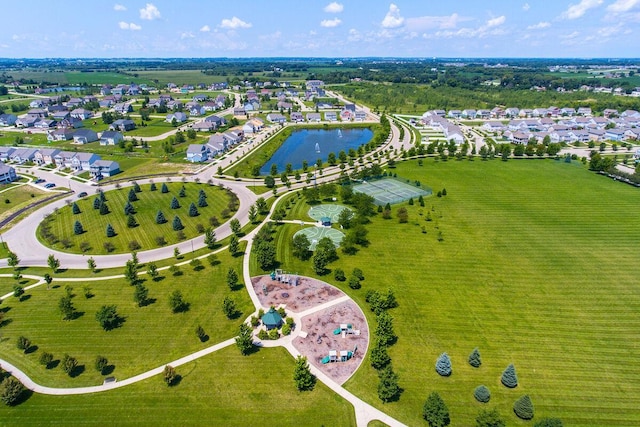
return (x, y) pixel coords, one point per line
(390, 191)
(314, 234)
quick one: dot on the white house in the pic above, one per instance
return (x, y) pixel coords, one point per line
(103, 168)
(7, 174)
(197, 153)
(84, 136)
(111, 137)
(83, 161)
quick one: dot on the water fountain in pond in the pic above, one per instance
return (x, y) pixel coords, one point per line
(317, 147)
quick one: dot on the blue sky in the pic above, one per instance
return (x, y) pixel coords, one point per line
(346, 28)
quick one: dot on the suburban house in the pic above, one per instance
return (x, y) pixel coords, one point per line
(174, 105)
(239, 111)
(71, 122)
(297, 116)
(84, 136)
(61, 134)
(45, 124)
(83, 161)
(195, 109)
(360, 115)
(61, 115)
(203, 126)
(123, 108)
(27, 121)
(7, 174)
(614, 134)
(122, 125)
(313, 117)
(103, 168)
(178, 116)
(331, 116)
(111, 137)
(276, 118)
(45, 156)
(5, 153)
(63, 159)
(493, 126)
(23, 155)
(81, 113)
(346, 115)
(38, 112)
(197, 153)
(8, 119)
(216, 120)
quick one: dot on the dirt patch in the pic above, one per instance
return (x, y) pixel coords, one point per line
(320, 339)
(308, 294)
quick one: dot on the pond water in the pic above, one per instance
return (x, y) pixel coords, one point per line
(314, 144)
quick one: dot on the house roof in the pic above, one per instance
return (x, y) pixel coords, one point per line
(110, 134)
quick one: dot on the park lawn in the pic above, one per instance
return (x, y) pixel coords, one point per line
(223, 388)
(534, 270)
(19, 197)
(94, 224)
(154, 127)
(7, 283)
(150, 336)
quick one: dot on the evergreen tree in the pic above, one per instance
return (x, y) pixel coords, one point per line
(210, 238)
(183, 192)
(482, 394)
(129, 209)
(474, 358)
(232, 278)
(164, 188)
(69, 364)
(202, 194)
(136, 187)
(96, 203)
(177, 223)
(509, 377)
(193, 211)
(160, 219)
(131, 221)
(379, 355)
(229, 308)
(443, 365)
(75, 208)
(302, 375)
(101, 363)
(110, 231)
(153, 187)
(132, 197)
(104, 209)
(388, 388)
(103, 198)
(174, 203)
(234, 245)
(435, 411)
(244, 340)
(77, 228)
(523, 407)
(202, 200)
(11, 391)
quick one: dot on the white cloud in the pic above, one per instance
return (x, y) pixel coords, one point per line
(234, 23)
(187, 35)
(129, 26)
(149, 12)
(119, 8)
(334, 7)
(621, 6)
(575, 11)
(330, 23)
(392, 18)
(526, 7)
(422, 23)
(205, 29)
(539, 26)
(496, 21)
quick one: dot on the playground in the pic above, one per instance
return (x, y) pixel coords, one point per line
(307, 294)
(314, 234)
(391, 191)
(326, 211)
(337, 355)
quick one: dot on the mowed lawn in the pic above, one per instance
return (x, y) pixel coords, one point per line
(223, 388)
(149, 337)
(538, 268)
(94, 224)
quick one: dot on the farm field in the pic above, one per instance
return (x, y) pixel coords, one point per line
(77, 77)
(146, 208)
(534, 272)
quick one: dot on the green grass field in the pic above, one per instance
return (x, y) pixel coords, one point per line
(223, 388)
(146, 208)
(18, 197)
(535, 269)
(150, 336)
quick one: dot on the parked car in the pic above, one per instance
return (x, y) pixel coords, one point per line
(39, 180)
(49, 185)
(83, 194)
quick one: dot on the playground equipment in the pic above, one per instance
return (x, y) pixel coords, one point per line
(344, 356)
(346, 329)
(283, 276)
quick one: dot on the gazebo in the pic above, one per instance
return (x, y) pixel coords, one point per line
(326, 221)
(271, 319)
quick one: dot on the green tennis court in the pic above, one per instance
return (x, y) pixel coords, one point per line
(314, 234)
(329, 211)
(390, 191)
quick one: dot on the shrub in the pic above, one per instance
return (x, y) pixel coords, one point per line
(255, 321)
(482, 394)
(489, 419)
(358, 273)
(474, 358)
(10, 391)
(549, 422)
(523, 407)
(509, 377)
(263, 335)
(354, 283)
(443, 365)
(338, 274)
(69, 364)
(170, 375)
(435, 411)
(23, 343)
(100, 363)
(46, 358)
(286, 329)
(274, 334)
(160, 241)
